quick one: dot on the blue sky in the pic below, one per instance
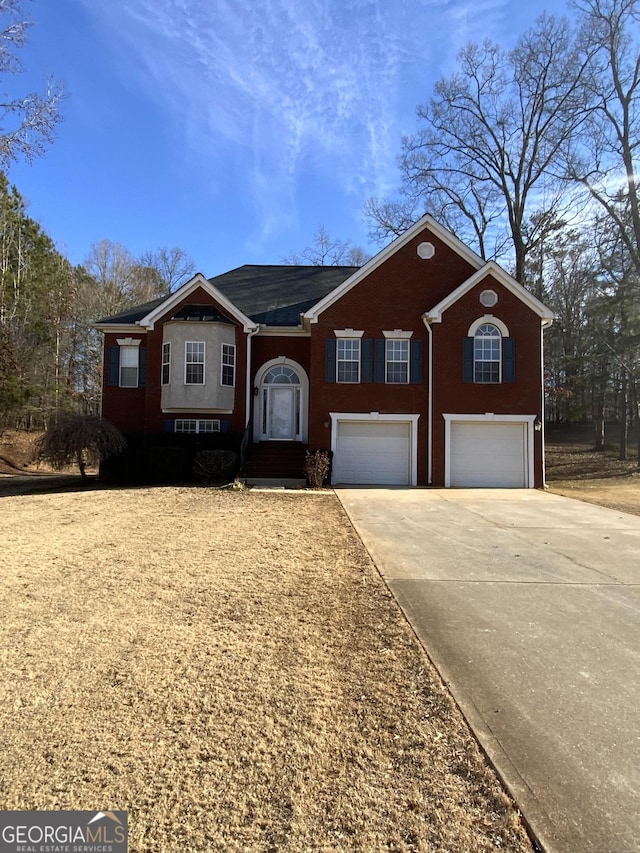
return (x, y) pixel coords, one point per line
(233, 128)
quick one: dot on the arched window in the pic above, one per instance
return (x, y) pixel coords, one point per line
(487, 347)
(281, 375)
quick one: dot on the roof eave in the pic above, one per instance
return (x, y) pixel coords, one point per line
(188, 287)
(119, 327)
(490, 268)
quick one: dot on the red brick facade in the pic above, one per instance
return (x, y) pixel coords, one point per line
(400, 292)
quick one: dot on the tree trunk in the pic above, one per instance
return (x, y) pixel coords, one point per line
(638, 429)
(599, 424)
(82, 467)
(624, 432)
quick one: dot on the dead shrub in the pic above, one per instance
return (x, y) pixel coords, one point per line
(317, 464)
(211, 466)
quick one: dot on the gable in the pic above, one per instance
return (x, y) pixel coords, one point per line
(192, 291)
(488, 274)
(425, 242)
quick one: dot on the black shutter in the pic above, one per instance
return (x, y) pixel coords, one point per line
(415, 366)
(330, 360)
(366, 360)
(167, 426)
(142, 367)
(225, 426)
(467, 359)
(508, 360)
(113, 370)
(378, 361)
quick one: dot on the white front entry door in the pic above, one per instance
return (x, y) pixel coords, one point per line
(281, 412)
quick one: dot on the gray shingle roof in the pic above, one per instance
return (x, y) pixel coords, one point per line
(132, 315)
(274, 295)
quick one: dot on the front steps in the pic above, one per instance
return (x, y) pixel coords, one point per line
(275, 462)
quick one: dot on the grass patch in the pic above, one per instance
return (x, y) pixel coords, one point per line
(231, 670)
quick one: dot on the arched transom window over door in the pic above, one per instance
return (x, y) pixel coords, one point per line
(280, 403)
(281, 375)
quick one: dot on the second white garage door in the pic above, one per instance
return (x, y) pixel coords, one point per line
(488, 455)
(372, 453)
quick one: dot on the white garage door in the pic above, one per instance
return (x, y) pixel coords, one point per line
(372, 453)
(488, 455)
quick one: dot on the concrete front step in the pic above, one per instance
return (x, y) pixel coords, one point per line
(275, 482)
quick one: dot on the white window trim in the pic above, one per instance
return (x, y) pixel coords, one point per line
(348, 333)
(489, 417)
(398, 334)
(493, 321)
(348, 361)
(133, 348)
(412, 420)
(128, 342)
(197, 422)
(387, 362)
(165, 364)
(222, 364)
(203, 362)
(488, 361)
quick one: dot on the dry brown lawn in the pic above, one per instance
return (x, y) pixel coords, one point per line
(576, 470)
(231, 670)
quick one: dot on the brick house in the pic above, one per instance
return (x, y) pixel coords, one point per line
(423, 367)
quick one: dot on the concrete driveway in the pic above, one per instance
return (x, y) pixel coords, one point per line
(529, 605)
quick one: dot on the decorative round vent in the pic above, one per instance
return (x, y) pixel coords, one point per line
(488, 298)
(426, 251)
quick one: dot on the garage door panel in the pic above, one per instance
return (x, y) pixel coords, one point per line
(372, 453)
(488, 455)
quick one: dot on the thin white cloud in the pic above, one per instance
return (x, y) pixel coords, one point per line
(272, 88)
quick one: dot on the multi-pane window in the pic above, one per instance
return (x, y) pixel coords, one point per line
(129, 360)
(348, 360)
(486, 354)
(397, 360)
(191, 425)
(194, 363)
(228, 374)
(166, 363)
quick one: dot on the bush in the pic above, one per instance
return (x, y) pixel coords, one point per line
(166, 464)
(317, 464)
(210, 466)
(79, 439)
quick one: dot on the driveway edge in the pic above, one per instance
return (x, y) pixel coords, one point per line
(543, 837)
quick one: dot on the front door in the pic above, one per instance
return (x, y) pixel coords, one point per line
(281, 408)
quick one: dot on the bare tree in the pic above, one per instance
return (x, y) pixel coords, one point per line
(113, 270)
(605, 158)
(327, 251)
(27, 121)
(491, 133)
(172, 266)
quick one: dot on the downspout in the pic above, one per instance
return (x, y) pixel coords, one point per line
(543, 326)
(248, 383)
(427, 322)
